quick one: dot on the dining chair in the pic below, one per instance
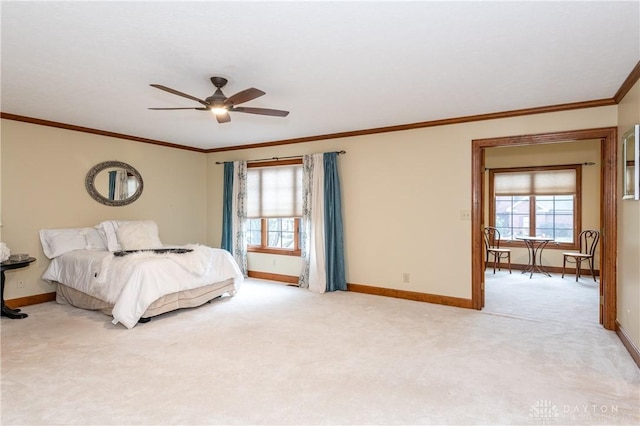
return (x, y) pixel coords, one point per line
(588, 242)
(492, 247)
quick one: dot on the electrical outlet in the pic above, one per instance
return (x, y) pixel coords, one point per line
(406, 278)
(465, 214)
(20, 284)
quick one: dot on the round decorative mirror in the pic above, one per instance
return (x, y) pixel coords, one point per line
(114, 183)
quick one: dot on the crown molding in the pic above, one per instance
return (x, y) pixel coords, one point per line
(628, 83)
(434, 123)
(72, 127)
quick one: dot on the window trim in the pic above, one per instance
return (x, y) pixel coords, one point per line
(274, 163)
(577, 204)
(296, 251)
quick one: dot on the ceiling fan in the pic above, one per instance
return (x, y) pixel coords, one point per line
(220, 105)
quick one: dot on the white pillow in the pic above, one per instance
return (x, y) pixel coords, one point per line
(94, 240)
(56, 242)
(138, 235)
(108, 231)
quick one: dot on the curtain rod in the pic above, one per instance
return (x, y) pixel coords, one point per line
(278, 158)
(589, 163)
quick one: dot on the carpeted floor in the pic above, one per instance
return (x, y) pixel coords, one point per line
(542, 298)
(281, 355)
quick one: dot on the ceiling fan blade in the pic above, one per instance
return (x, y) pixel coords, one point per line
(244, 96)
(223, 118)
(175, 92)
(201, 109)
(261, 111)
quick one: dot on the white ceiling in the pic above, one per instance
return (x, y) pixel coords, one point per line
(337, 66)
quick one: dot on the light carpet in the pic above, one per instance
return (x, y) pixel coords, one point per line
(538, 297)
(282, 355)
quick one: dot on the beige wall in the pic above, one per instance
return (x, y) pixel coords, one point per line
(402, 197)
(575, 152)
(628, 231)
(43, 172)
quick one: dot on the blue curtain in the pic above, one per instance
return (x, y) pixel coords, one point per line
(334, 247)
(227, 208)
(112, 185)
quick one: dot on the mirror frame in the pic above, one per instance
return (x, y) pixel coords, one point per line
(89, 183)
(631, 139)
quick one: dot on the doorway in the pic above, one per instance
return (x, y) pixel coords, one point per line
(608, 208)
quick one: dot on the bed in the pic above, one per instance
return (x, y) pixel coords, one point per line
(122, 269)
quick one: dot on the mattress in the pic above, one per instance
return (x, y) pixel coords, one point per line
(183, 299)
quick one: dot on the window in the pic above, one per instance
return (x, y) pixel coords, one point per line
(540, 201)
(274, 207)
(274, 235)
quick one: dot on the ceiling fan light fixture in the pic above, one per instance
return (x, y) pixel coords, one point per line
(219, 110)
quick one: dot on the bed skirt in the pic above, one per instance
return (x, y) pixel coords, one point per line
(183, 299)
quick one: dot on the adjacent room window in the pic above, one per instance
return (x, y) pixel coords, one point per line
(536, 201)
(274, 206)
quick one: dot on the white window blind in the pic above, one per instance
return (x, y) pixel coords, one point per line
(274, 192)
(547, 182)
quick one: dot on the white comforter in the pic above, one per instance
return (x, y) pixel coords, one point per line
(134, 281)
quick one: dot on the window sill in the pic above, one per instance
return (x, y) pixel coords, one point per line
(281, 252)
(550, 246)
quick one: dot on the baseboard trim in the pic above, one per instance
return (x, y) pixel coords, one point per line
(31, 300)
(289, 279)
(378, 291)
(628, 343)
(411, 295)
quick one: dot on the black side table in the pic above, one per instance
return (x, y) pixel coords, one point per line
(6, 266)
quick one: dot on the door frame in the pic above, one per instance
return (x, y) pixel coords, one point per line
(608, 209)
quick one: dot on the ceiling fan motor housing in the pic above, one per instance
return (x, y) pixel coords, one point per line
(217, 99)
